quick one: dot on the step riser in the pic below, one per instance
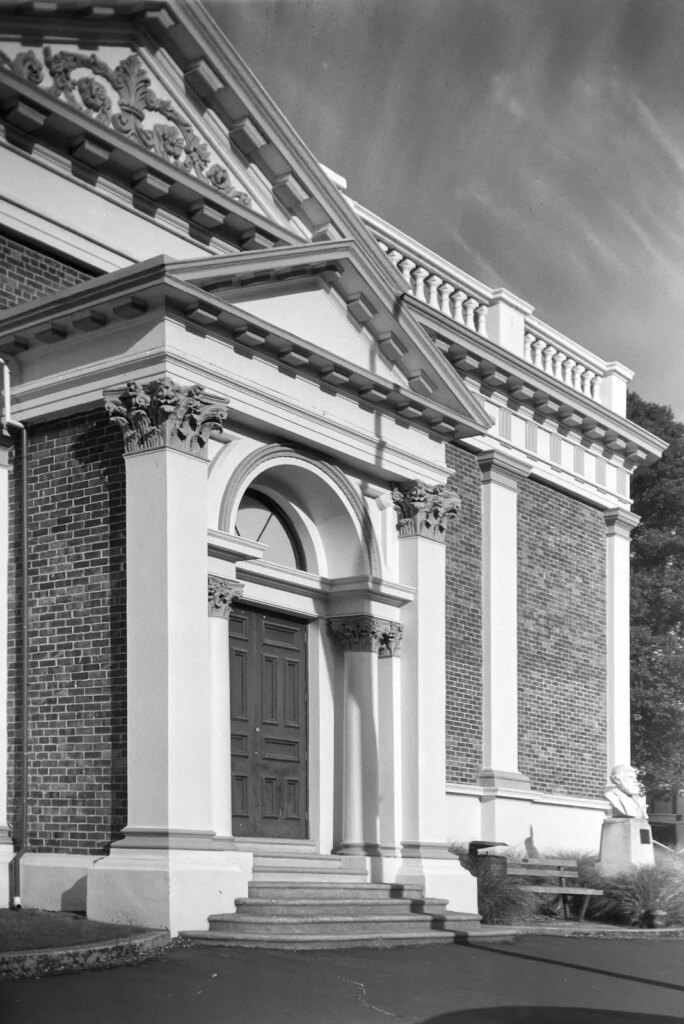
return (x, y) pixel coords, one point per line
(312, 891)
(364, 908)
(295, 927)
(331, 942)
(288, 875)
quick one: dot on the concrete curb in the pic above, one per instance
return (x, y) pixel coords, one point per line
(575, 931)
(31, 963)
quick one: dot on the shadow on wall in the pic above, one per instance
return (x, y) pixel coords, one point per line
(544, 1015)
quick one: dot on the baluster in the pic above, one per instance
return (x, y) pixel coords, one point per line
(577, 372)
(385, 248)
(432, 282)
(406, 266)
(558, 361)
(587, 378)
(395, 257)
(459, 299)
(419, 278)
(481, 321)
(596, 388)
(469, 307)
(445, 292)
(549, 353)
(527, 350)
(538, 347)
(568, 367)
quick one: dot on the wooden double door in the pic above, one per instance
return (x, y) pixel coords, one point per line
(268, 705)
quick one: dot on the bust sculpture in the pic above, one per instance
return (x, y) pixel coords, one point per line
(625, 794)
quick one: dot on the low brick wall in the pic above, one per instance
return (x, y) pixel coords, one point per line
(27, 273)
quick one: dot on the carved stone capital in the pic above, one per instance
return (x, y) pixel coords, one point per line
(368, 633)
(424, 511)
(163, 414)
(221, 594)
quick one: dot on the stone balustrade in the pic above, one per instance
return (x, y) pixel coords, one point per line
(446, 295)
(563, 360)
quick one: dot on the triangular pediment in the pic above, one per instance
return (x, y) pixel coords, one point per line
(331, 295)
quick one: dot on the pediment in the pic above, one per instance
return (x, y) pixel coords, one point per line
(320, 316)
(127, 90)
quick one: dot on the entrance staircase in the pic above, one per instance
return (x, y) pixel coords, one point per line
(300, 899)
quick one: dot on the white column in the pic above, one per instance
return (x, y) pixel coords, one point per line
(6, 848)
(167, 871)
(501, 474)
(423, 513)
(619, 524)
(390, 754)
(221, 593)
(361, 637)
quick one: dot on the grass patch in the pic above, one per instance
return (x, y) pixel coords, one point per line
(40, 929)
(633, 897)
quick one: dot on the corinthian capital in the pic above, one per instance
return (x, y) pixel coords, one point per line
(424, 511)
(368, 633)
(164, 414)
(220, 594)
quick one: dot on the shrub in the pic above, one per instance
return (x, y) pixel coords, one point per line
(632, 897)
(500, 900)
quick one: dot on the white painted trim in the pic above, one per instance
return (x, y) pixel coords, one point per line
(528, 796)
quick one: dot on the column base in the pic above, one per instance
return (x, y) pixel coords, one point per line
(174, 889)
(166, 839)
(625, 843)
(440, 874)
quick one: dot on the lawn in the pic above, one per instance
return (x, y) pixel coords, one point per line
(41, 929)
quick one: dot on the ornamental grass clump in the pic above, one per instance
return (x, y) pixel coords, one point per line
(647, 896)
(500, 900)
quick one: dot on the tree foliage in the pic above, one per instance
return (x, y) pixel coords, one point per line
(657, 604)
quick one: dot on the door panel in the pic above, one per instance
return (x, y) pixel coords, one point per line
(268, 723)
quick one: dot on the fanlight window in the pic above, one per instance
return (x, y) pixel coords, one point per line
(260, 519)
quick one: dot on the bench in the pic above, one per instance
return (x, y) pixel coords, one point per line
(563, 878)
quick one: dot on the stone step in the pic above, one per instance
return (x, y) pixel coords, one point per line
(270, 846)
(321, 890)
(255, 925)
(284, 873)
(300, 907)
(324, 941)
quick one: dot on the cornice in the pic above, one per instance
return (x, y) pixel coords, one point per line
(151, 289)
(499, 372)
(619, 522)
(503, 468)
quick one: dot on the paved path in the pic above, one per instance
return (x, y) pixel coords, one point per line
(537, 980)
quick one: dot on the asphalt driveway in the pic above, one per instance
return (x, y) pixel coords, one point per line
(539, 979)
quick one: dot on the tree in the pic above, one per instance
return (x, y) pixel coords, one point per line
(657, 604)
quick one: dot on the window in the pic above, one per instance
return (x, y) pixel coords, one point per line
(261, 520)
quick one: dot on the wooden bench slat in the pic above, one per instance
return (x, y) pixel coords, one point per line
(514, 869)
(565, 890)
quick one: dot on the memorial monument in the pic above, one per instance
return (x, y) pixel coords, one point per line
(626, 839)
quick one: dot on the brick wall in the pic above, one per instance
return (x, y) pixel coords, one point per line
(77, 642)
(464, 624)
(27, 273)
(562, 642)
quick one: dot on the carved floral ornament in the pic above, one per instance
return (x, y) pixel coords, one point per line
(165, 414)
(424, 511)
(368, 633)
(173, 138)
(221, 593)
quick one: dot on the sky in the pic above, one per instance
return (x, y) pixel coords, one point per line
(536, 144)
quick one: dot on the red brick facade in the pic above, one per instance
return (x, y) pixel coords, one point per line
(26, 273)
(77, 637)
(464, 623)
(561, 642)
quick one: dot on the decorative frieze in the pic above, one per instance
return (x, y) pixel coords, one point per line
(122, 98)
(164, 414)
(424, 511)
(221, 593)
(368, 633)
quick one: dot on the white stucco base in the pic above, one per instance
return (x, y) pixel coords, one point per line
(442, 878)
(171, 889)
(55, 881)
(559, 822)
(6, 857)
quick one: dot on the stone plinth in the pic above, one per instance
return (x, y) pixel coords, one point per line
(625, 843)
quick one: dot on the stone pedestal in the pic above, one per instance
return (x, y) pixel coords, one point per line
(625, 843)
